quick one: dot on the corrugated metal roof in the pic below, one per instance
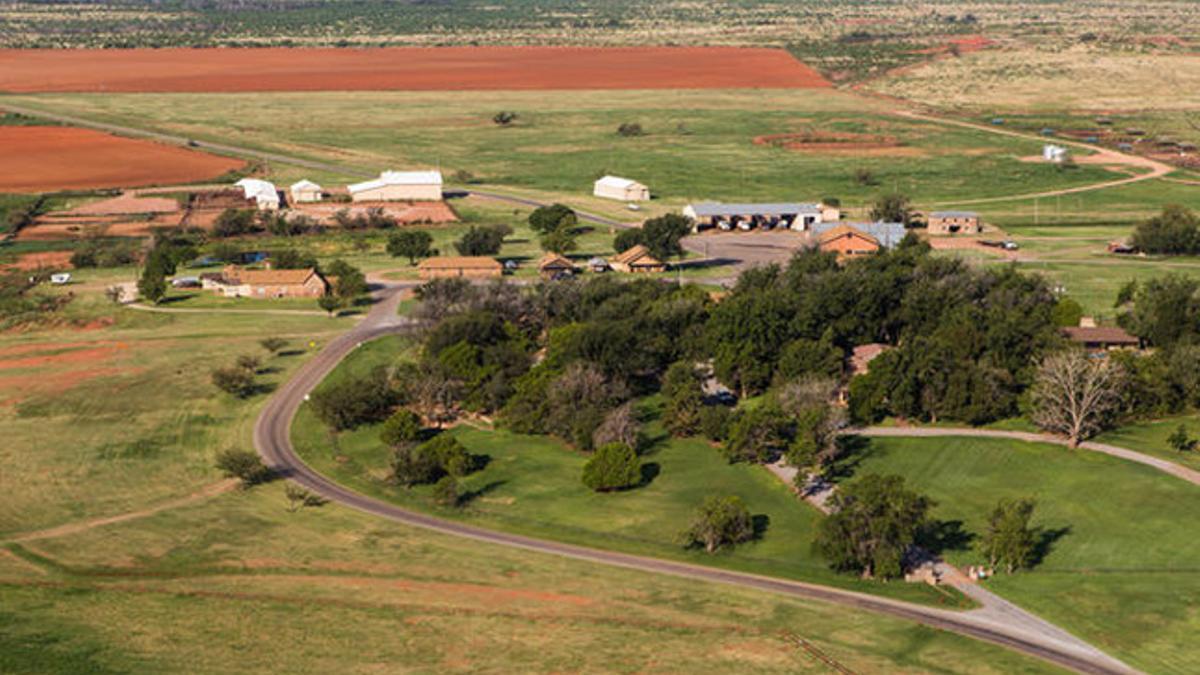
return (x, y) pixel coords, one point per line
(458, 262)
(304, 184)
(887, 234)
(618, 182)
(255, 188)
(399, 178)
(710, 209)
(954, 214)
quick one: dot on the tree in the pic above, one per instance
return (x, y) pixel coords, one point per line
(684, 399)
(874, 521)
(273, 344)
(714, 422)
(662, 235)
(1165, 310)
(614, 466)
(415, 465)
(479, 241)
(348, 403)
(411, 244)
(892, 208)
(559, 241)
(1009, 539)
(1180, 441)
(152, 285)
(446, 491)
(244, 465)
(234, 222)
(249, 363)
(349, 281)
(547, 219)
(627, 239)
(1076, 395)
(1176, 231)
(234, 380)
(620, 425)
(1067, 313)
(504, 118)
(755, 435)
(329, 303)
(402, 427)
(719, 522)
(864, 176)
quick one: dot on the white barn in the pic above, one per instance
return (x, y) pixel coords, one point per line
(263, 193)
(305, 191)
(399, 186)
(623, 189)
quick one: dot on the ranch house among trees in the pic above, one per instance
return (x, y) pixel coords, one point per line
(237, 282)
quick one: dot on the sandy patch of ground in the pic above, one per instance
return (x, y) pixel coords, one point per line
(125, 204)
(404, 212)
(55, 260)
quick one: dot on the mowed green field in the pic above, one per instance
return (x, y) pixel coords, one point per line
(1120, 549)
(697, 144)
(532, 485)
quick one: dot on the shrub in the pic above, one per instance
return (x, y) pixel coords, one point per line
(614, 466)
(244, 465)
(446, 491)
(719, 522)
(350, 403)
(714, 422)
(504, 118)
(402, 427)
(234, 380)
(630, 129)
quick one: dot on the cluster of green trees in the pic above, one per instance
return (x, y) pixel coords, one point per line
(1165, 314)
(556, 226)
(168, 250)
(482, 240)
(1175, 231)
(661, 236)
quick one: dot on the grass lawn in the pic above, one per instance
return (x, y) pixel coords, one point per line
(532, 485)
(1151, 438)
(1120, 568)
(697, 145)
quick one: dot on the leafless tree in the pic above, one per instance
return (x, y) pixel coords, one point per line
(620, 425)
(1076, 394)
(434, 395)
(806, 392)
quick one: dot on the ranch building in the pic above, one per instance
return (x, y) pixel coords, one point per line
(553, 265)
(636, 259)
(1098, 339)
(623, 189)
(263, 193)
(305, 191)
(954, 222)
(393, 186)
(453, 267)
(238, 282)
(796, 216)
(858, 239)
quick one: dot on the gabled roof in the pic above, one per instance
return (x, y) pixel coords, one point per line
(554, 261)
(709, 209)
(638, 253)
(256, 188)
(845, 231)
(305, 184)
(1099, 334)
(459, 262)
(887, 235)
(399, 178)
(618, 182)
(269, 277)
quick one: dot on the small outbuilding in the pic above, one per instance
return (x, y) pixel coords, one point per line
(954, 222)
(553, 265)
(1055, 153)
(636, 259)
(454, 267)
(263, 193)
(305, 192)
(598, 264)
(399, 186)
(623, 189)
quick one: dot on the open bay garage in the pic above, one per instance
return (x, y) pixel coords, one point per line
(792, 215)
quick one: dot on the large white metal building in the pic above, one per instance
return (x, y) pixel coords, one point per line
(399, 186)
(263, 193)
(624, 189)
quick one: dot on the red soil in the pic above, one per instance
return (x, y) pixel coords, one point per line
(406, 68)
(58, 260)
(45, 378)
(44, 159)
(125, 204)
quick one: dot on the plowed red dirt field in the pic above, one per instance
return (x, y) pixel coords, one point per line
(411, 68)
(44, 159)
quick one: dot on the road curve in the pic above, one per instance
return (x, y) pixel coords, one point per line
(272, 438)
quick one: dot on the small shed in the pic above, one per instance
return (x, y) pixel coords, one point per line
(598, 264)
(636, 259)
(954, 222)
(1055, 153)
(305, 191)
(553, 265)
(623, 189)
(467, 267)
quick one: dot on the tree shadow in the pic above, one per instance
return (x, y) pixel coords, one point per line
(1046, 539)
(291, 352)
(759, 523)
(649, 444)
(852, 450)
(650, 471)
(941, 536)
(471, 495)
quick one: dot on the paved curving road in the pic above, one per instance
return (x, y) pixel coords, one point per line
(272, 438)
